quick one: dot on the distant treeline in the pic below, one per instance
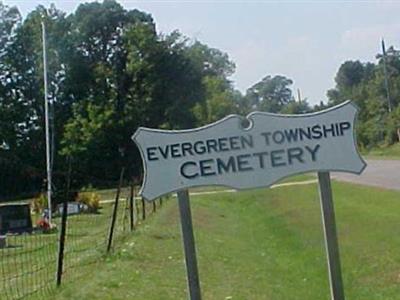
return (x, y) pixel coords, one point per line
(109, 71)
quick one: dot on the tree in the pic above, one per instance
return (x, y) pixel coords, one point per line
(10, 111)
(296, 107)
(136, 78)
(271, 94)
(217, 98)
(364, 83)
(218, 103)
(104, 113)
(350, 74)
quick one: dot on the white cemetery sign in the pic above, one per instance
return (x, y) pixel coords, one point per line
(271, 148)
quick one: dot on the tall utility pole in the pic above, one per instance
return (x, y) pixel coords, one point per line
(298, 95)
(386, 76)
(46, 112)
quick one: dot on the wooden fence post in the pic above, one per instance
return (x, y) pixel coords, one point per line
(132, 206)
(143, 209)
(114, 215)
(63, 231)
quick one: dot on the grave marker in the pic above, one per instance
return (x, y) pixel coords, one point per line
(73, 208)
(15, 218)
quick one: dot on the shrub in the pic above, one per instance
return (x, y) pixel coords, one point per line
(39, 203)
(90, 199)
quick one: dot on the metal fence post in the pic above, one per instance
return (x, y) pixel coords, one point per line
(143, 209)
(114, 216)
(63, 231)
(132, 206)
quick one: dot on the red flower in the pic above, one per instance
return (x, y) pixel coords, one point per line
(43, 223)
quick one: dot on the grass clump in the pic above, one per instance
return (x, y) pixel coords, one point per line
(385, 152)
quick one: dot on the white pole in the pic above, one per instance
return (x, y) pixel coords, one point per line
(46, 111)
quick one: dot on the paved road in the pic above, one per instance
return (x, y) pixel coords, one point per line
(380, 173)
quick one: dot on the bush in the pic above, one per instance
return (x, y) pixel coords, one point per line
(393, 127)
(39, 203)
(90, 199)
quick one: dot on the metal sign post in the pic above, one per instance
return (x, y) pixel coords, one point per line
(331, 241)
(189, 245)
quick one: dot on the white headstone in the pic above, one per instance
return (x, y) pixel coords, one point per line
(73, 208)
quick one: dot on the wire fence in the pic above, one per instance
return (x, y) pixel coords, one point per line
(29, 261)
(27, 264)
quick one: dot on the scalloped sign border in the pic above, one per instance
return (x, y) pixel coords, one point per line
(273, 147)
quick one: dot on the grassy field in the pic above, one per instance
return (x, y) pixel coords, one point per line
(264, 244)
(391, 152)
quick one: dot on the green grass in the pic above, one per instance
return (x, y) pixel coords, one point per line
(387, 152)
(264, 244)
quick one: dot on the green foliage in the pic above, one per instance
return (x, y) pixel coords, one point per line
(219, 101)
(392, 127)
(81, 131)
(364, 83)
(296, 107)
(271, 94)
(385, 152)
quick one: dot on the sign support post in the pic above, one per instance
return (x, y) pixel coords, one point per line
(189, 245)
(331, 241)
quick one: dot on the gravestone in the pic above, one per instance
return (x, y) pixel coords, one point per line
(15, 218)
(73, 208)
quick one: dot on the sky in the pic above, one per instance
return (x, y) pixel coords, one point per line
(306, 41)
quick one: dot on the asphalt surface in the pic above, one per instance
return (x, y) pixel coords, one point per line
(379, 173)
